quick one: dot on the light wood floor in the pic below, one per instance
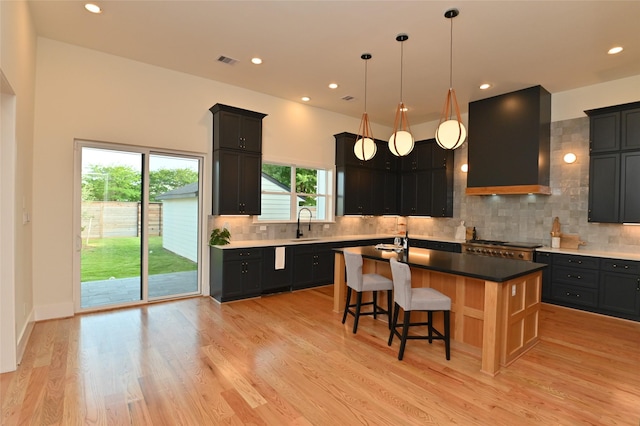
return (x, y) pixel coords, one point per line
(287, 359)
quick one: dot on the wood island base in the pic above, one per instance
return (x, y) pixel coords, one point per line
(496, 320)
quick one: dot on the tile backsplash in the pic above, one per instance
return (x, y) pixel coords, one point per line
(498, 217)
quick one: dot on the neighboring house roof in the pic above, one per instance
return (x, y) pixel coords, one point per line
(188, 191)
(275, 182)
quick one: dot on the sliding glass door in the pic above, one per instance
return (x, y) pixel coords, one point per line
(139, 226)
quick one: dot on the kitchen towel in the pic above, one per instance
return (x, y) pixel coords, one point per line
(279, 258)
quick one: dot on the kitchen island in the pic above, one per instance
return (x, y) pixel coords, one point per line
(495, 303)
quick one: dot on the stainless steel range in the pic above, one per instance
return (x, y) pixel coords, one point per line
(507, 250)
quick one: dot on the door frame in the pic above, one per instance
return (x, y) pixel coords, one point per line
(203, 258)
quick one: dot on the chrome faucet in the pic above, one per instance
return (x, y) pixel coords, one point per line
(298, 231)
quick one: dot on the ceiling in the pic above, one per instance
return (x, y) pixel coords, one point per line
(305, 45)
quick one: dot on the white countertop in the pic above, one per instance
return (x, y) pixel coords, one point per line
(317, 240)
(593, 253)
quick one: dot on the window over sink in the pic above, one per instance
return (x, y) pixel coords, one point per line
(288, 188)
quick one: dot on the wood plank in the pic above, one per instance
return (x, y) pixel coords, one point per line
(194, 361)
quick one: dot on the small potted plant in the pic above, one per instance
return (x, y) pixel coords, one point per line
(219, 237)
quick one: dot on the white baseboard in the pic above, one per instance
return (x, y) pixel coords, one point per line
(23, 337)
(58, 310)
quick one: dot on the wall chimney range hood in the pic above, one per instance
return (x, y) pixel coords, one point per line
(509, 143)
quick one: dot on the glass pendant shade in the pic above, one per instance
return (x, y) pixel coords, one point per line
(401, 143)
(365, 149)
(451, 134)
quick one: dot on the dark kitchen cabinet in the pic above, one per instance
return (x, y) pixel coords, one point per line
(546, 258)
(236, 128)
(602, 285)
(364, 187)
(312, 265)
(604, 188)
(276, 280)
(436, 245)
(630, 187)
(235, 273)
(509, 143)
(620, 288)
(426, 182)
(237, 183)
(237, 160)
(575, 281)
(354, 190)
(614, 173)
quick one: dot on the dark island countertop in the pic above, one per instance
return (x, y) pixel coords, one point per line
(467, 265)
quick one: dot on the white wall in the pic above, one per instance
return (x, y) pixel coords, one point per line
(84, 94)
(17, 64)
(180, 227)
(93, 96)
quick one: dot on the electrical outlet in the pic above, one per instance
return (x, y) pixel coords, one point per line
(263, 227)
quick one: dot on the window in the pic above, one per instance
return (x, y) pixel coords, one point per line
(287, 189)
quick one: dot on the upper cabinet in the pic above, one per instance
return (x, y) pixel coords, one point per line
(614, 166)
(236, 128)
(420, 184)
(509, 143)
(237, 160)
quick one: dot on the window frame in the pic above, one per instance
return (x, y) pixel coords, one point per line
(329, 210)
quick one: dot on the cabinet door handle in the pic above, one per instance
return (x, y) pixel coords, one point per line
(576, 295)
(579, 262)
(574, 276)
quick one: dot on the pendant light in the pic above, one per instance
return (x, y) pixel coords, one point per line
(401, 141)
(451, 133)
(365, 148)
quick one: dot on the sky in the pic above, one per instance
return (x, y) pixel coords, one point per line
(105, 157)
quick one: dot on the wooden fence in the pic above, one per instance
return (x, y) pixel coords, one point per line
(104, 219)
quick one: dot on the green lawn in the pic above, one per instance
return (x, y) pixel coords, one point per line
(120, 258)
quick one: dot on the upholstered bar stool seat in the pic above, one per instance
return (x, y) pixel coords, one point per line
(360, 283)
(417, 299)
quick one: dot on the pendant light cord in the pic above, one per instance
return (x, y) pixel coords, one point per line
(401, 67)
(365, 85)
(451, 56)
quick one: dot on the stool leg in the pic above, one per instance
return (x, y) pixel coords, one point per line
(430, 321)
(389, 309)
(375, 304)
(405, 333)
(346, 306)
(393, 324)
(357, 315)
(447, 343)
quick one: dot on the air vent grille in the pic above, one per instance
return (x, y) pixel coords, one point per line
(227, 60)
(347, 98)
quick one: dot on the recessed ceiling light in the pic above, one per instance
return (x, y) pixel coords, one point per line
(333, 86)
(256, 61)
(615, 50)
(305, 99)
(93, 8)
(485, 86)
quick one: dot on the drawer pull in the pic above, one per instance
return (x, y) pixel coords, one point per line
(574, 276)
(579, 262)
(576, 295)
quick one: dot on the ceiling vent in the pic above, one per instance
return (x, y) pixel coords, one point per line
(227, 60)
(347, 98)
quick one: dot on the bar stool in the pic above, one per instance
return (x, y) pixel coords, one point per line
(360, 283)
(417, 299)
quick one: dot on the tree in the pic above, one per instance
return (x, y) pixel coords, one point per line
(124, 183)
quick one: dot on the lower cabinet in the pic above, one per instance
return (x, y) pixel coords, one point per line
(312, 265)
(235, 273)
(437, 245)
(620, 288)
(606, 286)
(276, 280)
